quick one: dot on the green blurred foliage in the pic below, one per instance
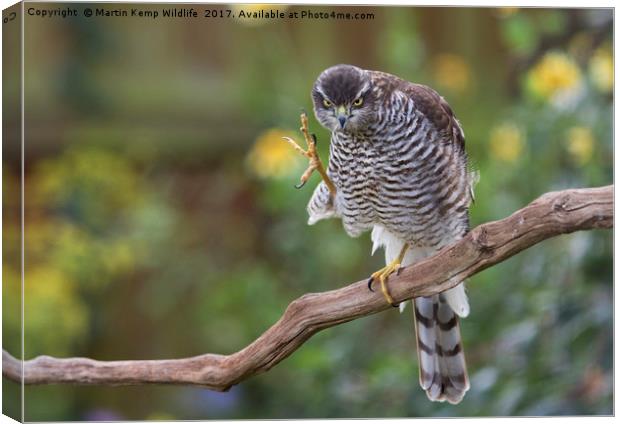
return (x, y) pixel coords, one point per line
(152, 231)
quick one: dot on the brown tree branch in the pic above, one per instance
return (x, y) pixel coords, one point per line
(550, 215)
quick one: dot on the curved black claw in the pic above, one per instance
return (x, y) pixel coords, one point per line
(313, 135)
(300, 185)
(400, 268)
(396, 305)
(370, 280)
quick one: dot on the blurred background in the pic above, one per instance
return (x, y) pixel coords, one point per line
(162, 222)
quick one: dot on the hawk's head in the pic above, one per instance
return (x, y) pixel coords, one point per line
(343, 99)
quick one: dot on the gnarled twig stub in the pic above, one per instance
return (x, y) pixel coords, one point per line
(550, 215)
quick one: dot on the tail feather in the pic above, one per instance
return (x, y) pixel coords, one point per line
(425, 340)
(443, 372)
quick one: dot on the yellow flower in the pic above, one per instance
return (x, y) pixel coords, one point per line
(507, 142)
(580, 144)
(271, 156)
(54, 311)
(109, 176)
(555, 74)
(601, 68)
(451, 72)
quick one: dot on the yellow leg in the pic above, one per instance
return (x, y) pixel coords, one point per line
(384, 273)
(312, 155)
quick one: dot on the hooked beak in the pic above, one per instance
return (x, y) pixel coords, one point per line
(341, 113)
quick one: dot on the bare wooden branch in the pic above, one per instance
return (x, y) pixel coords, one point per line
(550, 215)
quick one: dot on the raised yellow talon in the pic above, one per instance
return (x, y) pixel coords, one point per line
(312, 155)
(384, 273)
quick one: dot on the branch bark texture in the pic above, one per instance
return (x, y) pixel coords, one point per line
(550, 215)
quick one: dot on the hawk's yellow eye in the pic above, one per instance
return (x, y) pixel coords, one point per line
(358, 102)
(327, 103)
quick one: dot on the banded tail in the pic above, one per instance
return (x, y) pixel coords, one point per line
(442, 367)
(443, 372)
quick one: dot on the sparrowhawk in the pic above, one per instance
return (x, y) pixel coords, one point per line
(398, 167)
